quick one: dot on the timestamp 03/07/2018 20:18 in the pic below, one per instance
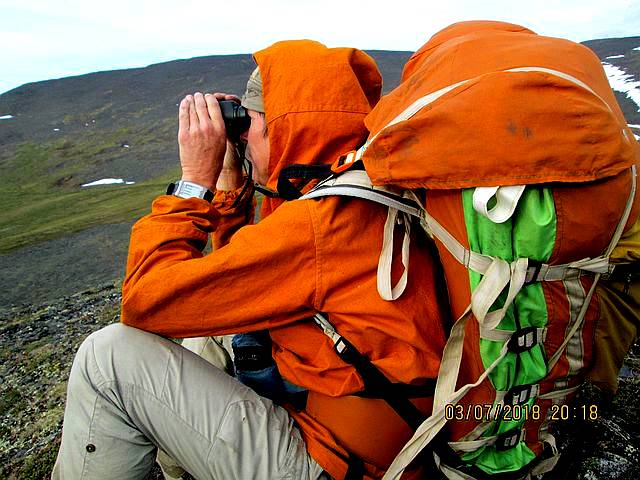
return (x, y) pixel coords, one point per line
(504, 412)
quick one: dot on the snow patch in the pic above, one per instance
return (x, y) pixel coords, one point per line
(107, 181)
(125, 146)
(637, 48)
(637, 136)
(6, 117)
(632, 126)
(56, 129)
(615, 56)
(623, 82)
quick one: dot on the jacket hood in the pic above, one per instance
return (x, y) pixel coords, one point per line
(315, 101)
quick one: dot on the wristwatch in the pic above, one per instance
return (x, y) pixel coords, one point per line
(184, 189)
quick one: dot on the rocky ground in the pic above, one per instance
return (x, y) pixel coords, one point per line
(37, 344)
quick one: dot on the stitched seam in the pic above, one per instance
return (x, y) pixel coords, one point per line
(91, 423)
(318, 255)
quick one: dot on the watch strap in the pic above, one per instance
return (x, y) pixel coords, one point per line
(184, 189)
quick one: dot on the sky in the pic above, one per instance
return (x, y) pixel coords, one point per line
(46, 39)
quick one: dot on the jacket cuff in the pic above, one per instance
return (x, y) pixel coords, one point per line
(224, 200)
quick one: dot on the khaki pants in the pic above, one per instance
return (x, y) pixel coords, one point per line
(131, 392)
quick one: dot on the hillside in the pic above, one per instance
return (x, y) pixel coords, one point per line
(68, 132)
(63, 246)
(121, 124)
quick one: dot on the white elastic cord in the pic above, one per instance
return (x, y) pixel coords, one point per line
(506, 201)
(386, 256)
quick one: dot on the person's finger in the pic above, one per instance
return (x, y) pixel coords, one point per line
(183, 115)
(201, 108)
(215, 114)
(193, 117)
(226, 96)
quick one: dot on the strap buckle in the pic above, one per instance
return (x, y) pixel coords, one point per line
(521, 394)
(344, 162)
(533, 271)
(346, 351)
(509, 439)
(523, 340)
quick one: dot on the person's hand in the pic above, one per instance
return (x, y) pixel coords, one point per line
(201, 138)
(231, 174)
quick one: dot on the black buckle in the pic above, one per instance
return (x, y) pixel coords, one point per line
(523, 340)
(508, 440)
(536, 265)
(346, 351)
(520, 394)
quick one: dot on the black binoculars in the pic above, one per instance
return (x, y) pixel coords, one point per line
(236, 119)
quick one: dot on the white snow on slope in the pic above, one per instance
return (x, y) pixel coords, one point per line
(630, 125)
(615, 56)
(623, 82)
(637, 48)
(107, 181)
(6, 117)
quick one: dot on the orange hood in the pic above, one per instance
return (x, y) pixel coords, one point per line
(499, 128)
(315, 101)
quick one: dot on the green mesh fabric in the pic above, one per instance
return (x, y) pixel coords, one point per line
(530, 233)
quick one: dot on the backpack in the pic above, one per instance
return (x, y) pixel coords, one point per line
(510, 151)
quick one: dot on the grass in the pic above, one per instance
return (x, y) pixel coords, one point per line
(43, 199)
(33, 217)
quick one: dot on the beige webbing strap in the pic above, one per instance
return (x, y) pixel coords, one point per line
(432, 425)
(506, 200)
(449, 472)
(547, 464)
(614, 241)
(386, 256)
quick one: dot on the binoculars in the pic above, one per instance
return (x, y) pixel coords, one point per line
(236, 119)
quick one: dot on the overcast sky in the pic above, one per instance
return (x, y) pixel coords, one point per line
(47, 39)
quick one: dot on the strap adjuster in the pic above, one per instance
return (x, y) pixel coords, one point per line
(508, 440)
(521, 394)
(344, 162)
(523, 340)
(346, 351)
(533, 271)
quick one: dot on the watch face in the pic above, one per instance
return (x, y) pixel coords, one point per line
(189, 190)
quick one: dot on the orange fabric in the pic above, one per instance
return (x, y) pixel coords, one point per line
(305, 257)
(232, 218)
(311, 93)
(504, 129)
(372, 442)
(500, 128)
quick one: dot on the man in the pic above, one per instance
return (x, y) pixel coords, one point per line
(131, 391)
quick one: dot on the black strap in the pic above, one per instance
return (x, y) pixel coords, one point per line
(287, 190)
(402, 390)
(374, 380)
(355, 469)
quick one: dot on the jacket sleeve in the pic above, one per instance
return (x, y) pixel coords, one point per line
(265, 277)
(232, 218)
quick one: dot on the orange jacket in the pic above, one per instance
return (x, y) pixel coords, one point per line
(305, 257)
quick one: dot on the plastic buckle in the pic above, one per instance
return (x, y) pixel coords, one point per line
(523, 340)
(346, 351)
(344, 162)
(521, 394)
(509, 439)
(536, 266)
